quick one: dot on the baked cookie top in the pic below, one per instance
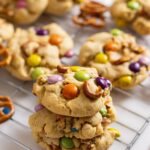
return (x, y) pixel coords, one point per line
(58, 7)
(22, 11)
(135, 13)
(6, 31)
(53, 34)
(116, 56)
(72, 91)
(37, 50)
(58, 126)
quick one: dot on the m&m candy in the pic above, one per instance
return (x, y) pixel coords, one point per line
(36, 73)
(70, 91)
(34, 60)
(82, 75)
(101, 58)
(54, 79)
(66, 143)
(55, 39)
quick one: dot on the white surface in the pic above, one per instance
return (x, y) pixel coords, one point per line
(143, 143)
(133, 106)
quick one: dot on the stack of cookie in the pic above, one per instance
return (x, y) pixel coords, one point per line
(74, 110)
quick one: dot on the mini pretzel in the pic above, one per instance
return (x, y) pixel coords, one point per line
(6, 58)
(91, 7)
(6, 102)
(91, 14)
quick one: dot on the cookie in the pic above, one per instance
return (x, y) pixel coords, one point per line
(57, 7)
(37, 51)
(22, 11)
(72, 91)
(58, 126)
(45, 136)
(117, 57)
(6, 31)
(134, 13)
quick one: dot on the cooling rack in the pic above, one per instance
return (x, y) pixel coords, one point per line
(133, 106)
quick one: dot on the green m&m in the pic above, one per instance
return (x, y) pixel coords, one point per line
(36, 73)
(115, 32)
(103, 111)
(66, 143)
(82, 75)
(134, 5)
(34, 60)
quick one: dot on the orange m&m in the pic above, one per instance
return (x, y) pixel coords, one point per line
(112, 46)
(70, 91)
(55, 39)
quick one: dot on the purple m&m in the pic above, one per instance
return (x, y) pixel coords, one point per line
(38, 107)
(104, 83)
(41, 32)
(135, 67)
(54, 79)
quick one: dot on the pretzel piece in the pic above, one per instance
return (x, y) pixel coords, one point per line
(6, 102)
(91, 14)
(92, 7)
(92, 21)
(5, 57)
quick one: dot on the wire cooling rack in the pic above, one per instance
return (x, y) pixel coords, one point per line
(133, 106)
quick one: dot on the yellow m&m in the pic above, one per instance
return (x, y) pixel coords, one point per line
(34, 60)
(75, 68)
(101, 58)
(125, 80)
(117, 132)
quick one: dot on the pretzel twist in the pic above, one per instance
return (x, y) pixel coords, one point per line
(91, 14)
(6, 102)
